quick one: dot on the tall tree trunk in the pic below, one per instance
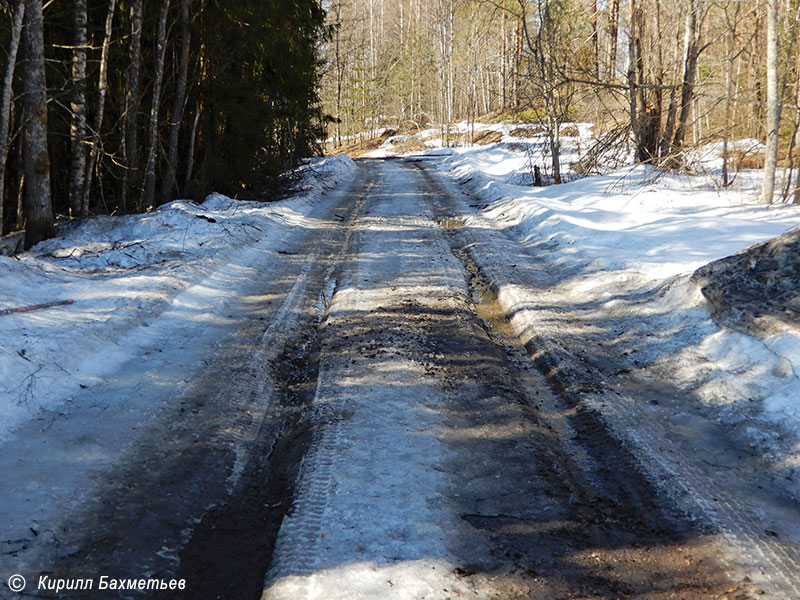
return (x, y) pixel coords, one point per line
(554, 137)
(613, 28)
(672, 110)
(773, 114)
(796, 192)
(689, 74)
(38, 210)
(755, 67)
(632, 87)
(730, 58)
(77, 171)
(190, 153)
(728, 101)
(339, 72)
(161, 48)
(170, 177)
(5, 100)
(595, 40)
(130, 129)
(102, 86)
(517, 59)
(503, 64)
(648, 116)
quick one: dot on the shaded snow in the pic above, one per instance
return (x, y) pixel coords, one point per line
(127, 274)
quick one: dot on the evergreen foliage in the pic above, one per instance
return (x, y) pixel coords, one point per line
(251, 110)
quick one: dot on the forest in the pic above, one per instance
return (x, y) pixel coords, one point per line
(122, 105)
(119, 106)
(665, 76)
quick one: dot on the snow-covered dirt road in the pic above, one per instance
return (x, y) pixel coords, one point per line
(364, 422)
(441, 466)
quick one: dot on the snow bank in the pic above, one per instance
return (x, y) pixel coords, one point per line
(124, 273)
(521, 145)
(623, 246)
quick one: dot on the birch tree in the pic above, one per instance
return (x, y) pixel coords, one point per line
(773, 106)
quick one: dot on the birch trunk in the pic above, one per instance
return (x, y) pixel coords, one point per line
(5, 100)
(150, 165)
(36, 160)
(773, 114)
(796, 192)
(595, 40)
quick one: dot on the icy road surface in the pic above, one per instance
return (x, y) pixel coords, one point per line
(363, 423)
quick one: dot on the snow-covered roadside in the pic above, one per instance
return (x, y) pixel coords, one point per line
(621, 249)
(515, 147)
(125, 275)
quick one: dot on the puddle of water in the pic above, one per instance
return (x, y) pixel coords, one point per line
(487, 307)
(452, 223)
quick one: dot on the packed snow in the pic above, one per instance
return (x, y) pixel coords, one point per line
(130, 276)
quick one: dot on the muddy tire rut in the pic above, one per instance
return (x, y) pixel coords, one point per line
(531, 497)
(396, 441)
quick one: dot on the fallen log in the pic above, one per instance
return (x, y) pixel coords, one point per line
(23, 309)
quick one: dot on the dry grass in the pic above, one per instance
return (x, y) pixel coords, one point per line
(740, 159)
(412, 144)
(359, 147)
(525, 132)
(487, 136)
(482, 137)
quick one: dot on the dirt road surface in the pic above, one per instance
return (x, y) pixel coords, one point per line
(382, 416)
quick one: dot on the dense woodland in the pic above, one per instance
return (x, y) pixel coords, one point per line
(665, 74)
(115, 106)
(118, 106)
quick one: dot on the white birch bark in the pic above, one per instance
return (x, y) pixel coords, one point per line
(773, 110)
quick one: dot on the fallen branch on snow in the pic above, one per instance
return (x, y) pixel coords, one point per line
(22, 309)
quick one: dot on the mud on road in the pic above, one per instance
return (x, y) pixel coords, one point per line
(390, 439)
(442, 465)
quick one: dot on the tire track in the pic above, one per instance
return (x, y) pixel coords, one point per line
(746, 549)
